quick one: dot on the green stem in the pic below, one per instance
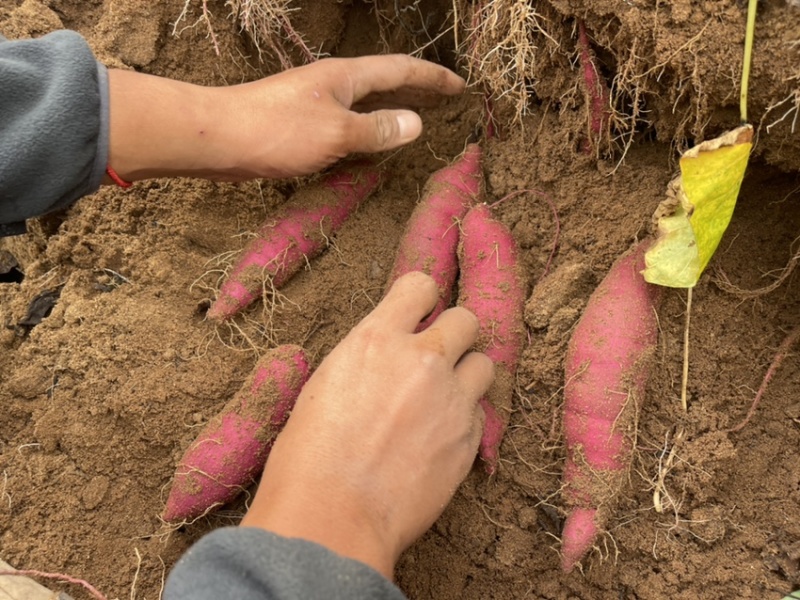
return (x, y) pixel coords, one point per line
(748, 56)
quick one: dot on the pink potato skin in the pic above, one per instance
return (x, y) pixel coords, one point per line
(597, 91)
(493, 288)
(606, 371)
(430, 241)
(232, 448)
(298, 232)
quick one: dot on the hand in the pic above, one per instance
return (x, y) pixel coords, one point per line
(382, 434)
(294, 123)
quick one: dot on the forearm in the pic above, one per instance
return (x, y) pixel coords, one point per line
(323, 510)
(164, 128)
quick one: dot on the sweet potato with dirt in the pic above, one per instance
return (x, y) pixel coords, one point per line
(607, 366)
(232, 448)
(299, 231)
(430, 241)
(598, 95)
(491, 285)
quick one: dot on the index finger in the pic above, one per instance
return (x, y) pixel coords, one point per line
(386, 73)
(407, 302)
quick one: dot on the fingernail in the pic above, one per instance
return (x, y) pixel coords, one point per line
(409, 126)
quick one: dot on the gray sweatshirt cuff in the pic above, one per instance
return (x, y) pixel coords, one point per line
(253, 564)
(53, 125)
(101, 158)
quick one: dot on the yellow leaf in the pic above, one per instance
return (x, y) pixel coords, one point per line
(698, 208)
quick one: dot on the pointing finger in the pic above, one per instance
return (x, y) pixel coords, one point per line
(391, 72)
(408, 301)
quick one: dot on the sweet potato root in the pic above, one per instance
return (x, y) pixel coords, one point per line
(430, 241)
(491, 285)
(299, 231)
(232, 448)
(606, 371)
(598, 96)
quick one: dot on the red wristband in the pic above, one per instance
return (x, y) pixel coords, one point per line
(117, 179)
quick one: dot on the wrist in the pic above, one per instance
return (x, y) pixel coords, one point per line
(327, 513)
(160, 127)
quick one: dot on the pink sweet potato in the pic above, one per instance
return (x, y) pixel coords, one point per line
(491, 285)
(607, 366)
(232, 448)
(596, 90)
(299, 231)
(430, 241)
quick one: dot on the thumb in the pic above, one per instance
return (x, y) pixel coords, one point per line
(383, 130)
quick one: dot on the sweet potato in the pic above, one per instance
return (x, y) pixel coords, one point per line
(232, 448)
(430, 241)
(491, 285)
(596, 90)
(607, 366)
(299, 231)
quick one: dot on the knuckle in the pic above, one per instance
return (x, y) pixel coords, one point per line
(369, 337)
(430, 355)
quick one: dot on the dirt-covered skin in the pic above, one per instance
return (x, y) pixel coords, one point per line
(102, 397)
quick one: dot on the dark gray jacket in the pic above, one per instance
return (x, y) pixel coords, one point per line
(239, 563)
(53, 126)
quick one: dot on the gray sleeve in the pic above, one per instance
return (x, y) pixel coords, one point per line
(53, 125)
(253, 564)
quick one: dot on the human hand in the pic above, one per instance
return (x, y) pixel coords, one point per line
(293, 123)
(382, 434)
(303, 120)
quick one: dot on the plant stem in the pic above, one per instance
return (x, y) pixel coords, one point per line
(685, 378)
(748, 56)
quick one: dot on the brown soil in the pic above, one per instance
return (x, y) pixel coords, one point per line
(101, 398)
